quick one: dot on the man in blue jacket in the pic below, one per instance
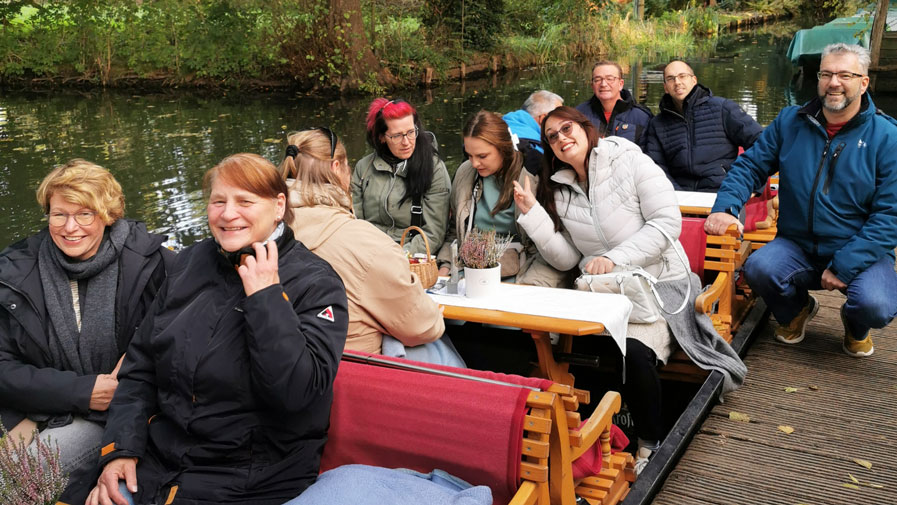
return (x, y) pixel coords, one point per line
(695, 137)
(837, 228)
(526, 124)
(612, 109)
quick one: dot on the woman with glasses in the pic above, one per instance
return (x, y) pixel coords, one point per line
(591, 209)
(389, 312)
(403, 182)
(226, 388)
(71, 297)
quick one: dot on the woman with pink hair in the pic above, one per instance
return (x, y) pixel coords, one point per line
(403, 182)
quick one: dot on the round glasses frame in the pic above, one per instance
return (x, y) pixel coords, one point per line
(85, 218)
(397, 138)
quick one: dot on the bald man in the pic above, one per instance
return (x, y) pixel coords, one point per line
(695, 137)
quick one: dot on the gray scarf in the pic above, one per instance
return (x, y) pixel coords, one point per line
(93, 350)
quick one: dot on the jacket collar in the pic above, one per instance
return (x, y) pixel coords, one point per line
(813, 109)
(696, 96)
(624, 103)
(401, 169)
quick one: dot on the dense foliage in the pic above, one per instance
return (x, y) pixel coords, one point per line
(358, 44)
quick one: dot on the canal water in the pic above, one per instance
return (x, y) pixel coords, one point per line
(159, 145)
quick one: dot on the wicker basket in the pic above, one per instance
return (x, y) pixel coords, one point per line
(427, 272)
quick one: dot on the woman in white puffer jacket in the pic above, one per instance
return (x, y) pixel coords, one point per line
(591, 207)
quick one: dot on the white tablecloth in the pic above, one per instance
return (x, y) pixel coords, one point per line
(696, 199)
(610, 310)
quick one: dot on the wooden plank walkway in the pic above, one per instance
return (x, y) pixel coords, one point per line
(844, 409)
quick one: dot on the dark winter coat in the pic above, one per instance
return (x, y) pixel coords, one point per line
(226, 398)
(628, 119)
(28, 384)
(838, 196)
(696, 147)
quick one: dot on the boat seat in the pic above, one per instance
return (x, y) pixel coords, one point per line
(717, 260)
(507, 432)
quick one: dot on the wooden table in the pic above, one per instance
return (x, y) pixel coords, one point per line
(538, 326)
(694, 203)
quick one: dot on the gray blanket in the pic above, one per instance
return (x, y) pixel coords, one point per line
(696, 336)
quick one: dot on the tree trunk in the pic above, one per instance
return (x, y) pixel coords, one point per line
(347, 30)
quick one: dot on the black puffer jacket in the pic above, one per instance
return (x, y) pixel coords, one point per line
(226, 398)
(628, 119)
(28, 384)
(696, 147)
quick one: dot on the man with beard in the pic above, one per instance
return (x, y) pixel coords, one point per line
(696, 135)
(837, 228)
(612, 109)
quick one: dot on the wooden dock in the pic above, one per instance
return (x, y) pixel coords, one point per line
(843, 412)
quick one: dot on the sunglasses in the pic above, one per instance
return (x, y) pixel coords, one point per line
(333, 138)
(565, 128)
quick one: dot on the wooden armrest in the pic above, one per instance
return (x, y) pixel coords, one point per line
(704, 302)
(743, 253)
(527, 494)
(598, 423)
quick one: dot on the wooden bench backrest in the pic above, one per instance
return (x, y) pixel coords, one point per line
(476, 431)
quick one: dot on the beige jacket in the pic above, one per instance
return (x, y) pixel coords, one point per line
(533, 269)
(384, 296)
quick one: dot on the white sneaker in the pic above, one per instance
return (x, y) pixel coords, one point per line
(641, 460)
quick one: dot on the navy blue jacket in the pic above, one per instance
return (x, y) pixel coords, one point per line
(838, 196)
(628, 119)
(696, 148)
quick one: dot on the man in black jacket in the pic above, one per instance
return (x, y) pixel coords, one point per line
(696, 135)
(612, 109)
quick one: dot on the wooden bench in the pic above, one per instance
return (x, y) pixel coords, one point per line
(717, 261)
(516, 435)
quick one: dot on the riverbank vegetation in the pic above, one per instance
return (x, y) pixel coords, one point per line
(365, 45)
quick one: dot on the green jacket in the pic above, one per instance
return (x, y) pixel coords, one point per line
(377, 189)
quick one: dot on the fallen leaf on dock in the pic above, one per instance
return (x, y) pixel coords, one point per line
(813, 388)
(786, 429)
(863, 463)
(738, 416)
(791, 390)
(851, 486)
(876, 486)
(854, 479)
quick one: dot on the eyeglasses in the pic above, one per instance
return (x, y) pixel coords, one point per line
(610, 79)
(670, 79)
(84, 218)
(333, 138)
(565, 128)
(397, 138)
(845, 76)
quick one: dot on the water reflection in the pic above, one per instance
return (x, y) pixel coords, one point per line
(159, 145)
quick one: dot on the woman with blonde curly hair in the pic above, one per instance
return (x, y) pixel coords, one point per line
(72, 296)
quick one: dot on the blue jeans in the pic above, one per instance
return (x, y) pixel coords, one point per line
(123, 489)
(782, 273)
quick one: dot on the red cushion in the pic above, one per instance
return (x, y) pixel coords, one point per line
(590, 462)
(694, 241)
(405, 419)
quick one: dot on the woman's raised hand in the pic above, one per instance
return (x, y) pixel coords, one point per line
(599, 265)
(106, 491)
(260, 271)
(523, 195)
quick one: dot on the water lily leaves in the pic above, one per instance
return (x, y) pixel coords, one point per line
(786, 429)
(738, 416)
(863, 463)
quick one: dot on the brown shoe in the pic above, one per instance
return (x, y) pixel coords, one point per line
(793, 332)
(853, 347)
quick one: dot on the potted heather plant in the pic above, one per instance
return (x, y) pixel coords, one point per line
(29, 478)
(480, 254)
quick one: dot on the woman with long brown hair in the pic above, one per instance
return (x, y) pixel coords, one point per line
(604, 206)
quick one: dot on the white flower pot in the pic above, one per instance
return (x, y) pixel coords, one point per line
(481, 282)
